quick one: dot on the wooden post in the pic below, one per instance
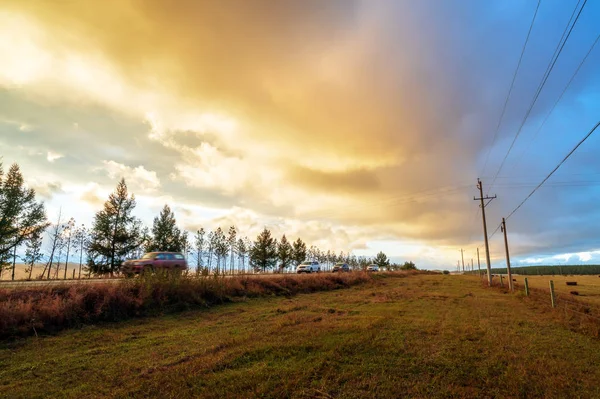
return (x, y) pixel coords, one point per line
(510, 282)
(501, 281)
(526, 287)
(552, 297)
(73, 273)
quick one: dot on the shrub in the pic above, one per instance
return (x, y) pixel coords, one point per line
(49, 309)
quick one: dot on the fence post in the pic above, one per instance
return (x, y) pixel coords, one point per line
(552, 297)
(501, 281)
(526, 287)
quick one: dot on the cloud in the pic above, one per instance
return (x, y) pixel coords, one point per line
(138, 177)
(52, 156)
(323, 116)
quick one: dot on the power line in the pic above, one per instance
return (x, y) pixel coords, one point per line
(537, 94)
(555, 169)
(560, 97)
(512, 83)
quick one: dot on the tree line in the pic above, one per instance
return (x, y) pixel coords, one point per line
(116, 235)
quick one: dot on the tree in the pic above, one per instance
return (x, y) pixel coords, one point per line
(284, 252)
(231, 241)
(263, 254)
(221, 249)
(81, 241)
(211, 248)
(241, 250)
(199, 247)
(299, 252)
(21, 216)
(408, 266)
(68, 233)
(33, 251)
(166, 236)
(115, 232)
(55, 243)
(381, 260)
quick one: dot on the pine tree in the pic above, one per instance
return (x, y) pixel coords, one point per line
(231, 242)
(284, 252)
(199, 246)
(381, 260)
(221, 250)
(241, 250)
(115, 233)
(21, 216)
(166, 236)
(211, 248)
(33, 251)
(81, 242)
(263, 254)
(299, 252)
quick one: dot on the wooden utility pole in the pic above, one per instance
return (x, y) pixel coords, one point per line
(485, 235)
(510, 282)
(463, 259)
(472, 269)
(478, 262)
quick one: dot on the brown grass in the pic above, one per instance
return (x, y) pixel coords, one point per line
(48, 309)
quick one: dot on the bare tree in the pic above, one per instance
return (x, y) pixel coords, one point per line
(55, 242)
(81, 237)
(68, 233)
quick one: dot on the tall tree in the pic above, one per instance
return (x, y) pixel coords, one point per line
(231, 242)
(284, 252)
(21, 216)
(199, 246)
(381, 260)
(210, 249)
(299, 252)
(221, 250)
(33, 252)
(68, 231)
(185, 244)
(115, 232)
(166, 236)
(55, 244)
(241, 250)
(263, 254)
(81, 238)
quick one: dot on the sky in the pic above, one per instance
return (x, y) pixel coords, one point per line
(356, 125)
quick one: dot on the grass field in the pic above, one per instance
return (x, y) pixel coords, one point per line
(422, 336)
(588, 287)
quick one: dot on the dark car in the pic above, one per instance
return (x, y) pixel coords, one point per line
(155, 261)
(340, 267)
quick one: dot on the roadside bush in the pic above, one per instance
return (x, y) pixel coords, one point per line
(49, 309)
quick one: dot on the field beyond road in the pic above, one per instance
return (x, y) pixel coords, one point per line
(420, 336)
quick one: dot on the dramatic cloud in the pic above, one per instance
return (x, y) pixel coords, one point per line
(345, 122)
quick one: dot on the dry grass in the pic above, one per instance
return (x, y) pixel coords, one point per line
(588, 287)
(424, 337)
(47, 309)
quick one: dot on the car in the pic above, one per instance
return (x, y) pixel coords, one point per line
(372, 268)
(340, 267)
(155, 261)
(308, 266)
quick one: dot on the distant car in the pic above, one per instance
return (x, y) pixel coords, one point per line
(340, 267)
(155, 261)
(308, 267)
(372, 268)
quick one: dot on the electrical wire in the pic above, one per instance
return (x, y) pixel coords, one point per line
(555, 169)
(537, 94)
(558, 100)
(512, 83)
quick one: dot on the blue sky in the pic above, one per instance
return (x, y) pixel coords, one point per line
(356, 125)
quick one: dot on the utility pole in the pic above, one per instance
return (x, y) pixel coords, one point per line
(458, 266)
(478, 263)
(463, 259)
(485, 235)
(510, 281)
(472, 269)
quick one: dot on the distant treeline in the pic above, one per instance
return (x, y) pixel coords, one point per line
(550, 270)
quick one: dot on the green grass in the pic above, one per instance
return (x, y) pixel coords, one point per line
(421, 336)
